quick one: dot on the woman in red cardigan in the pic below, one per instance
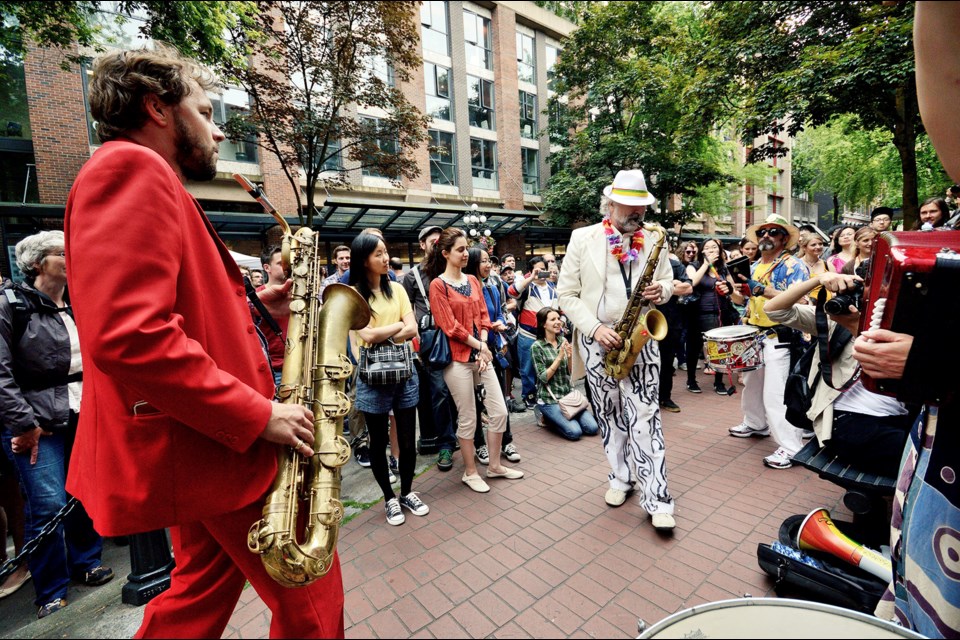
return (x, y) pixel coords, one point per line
(459, 310)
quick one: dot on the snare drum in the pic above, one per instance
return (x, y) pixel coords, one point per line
(772, 618)
(736, 348)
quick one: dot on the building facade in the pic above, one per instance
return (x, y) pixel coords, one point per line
(485, 80)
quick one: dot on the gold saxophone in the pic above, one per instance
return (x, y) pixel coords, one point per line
(315, 369)
(637, 326)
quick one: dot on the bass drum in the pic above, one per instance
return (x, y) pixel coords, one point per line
(772, 618)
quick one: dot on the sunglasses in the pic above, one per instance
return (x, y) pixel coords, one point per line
(690, 251)
(773, 233)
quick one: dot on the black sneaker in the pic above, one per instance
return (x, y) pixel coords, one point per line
(445, 460)
(362, 455)
(670, 405)
(98, 576)
(51, 607)
(723, 391)
(413, 502)
(394, 465)
(693, 387)
(517, 406)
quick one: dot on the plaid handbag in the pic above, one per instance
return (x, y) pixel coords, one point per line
(386, 363)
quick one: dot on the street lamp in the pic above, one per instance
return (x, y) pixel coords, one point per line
(478, 233)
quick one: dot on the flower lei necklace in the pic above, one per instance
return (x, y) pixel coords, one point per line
(615, 240)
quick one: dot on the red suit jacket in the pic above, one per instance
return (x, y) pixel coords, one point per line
(176, 387)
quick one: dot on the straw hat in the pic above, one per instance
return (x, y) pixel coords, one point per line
(629, 188)
(775, 220)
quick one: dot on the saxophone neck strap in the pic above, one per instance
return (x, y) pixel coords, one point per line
(627, 279)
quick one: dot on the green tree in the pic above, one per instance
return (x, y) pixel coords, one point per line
(620, 78)
(304, 64)
(774, 66)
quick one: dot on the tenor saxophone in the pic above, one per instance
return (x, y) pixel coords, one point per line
(306, 491)
(638, 324)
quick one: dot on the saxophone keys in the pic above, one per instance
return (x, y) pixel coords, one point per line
(334, 453)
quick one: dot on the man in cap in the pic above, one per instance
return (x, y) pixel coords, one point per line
(435, 407)
(880, 218)
(603, 264)
(764, 413)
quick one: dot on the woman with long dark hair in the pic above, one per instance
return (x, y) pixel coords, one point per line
(552, 357)
(714, 284)
(933, 211)
(461, 313)
(392, 318)
(844, 248)
(479, 266)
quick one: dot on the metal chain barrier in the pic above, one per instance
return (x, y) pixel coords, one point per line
(48, 530)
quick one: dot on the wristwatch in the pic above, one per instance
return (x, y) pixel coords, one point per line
(758, 290)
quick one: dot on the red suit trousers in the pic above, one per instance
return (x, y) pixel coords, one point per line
(213, 564)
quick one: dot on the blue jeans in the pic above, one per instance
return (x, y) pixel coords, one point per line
(528, 376)
(583, 425)
(75, 548)
(442, 410)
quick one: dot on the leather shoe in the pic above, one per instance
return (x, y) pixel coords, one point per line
(508, 473)
(663, 521)
(476, 483)
(13, 587)
(615, 497)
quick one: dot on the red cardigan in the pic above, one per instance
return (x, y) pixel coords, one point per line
(457, 315)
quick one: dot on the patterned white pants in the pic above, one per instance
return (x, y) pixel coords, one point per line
(628, 413)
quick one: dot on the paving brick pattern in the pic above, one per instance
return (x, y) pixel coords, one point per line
(545, 557)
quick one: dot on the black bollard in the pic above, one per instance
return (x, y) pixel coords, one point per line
(150, 567)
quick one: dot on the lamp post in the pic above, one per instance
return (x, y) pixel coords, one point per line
(478, 233)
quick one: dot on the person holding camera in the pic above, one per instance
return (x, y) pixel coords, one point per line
(533, 292)
(712, 284)
(864, 429)
(764, 413)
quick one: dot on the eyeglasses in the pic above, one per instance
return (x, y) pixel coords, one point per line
(773, 233)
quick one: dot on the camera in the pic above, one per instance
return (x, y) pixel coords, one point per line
(543, 274)
(839, 305)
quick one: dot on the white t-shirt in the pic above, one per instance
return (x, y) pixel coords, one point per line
(857, 399)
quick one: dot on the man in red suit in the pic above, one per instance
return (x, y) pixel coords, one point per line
(178, 427)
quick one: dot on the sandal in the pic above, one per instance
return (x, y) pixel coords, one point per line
(507, 472)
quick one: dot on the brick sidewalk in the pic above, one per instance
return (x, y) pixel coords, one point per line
(546, 557)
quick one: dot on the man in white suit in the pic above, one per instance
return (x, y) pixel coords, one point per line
(604, 262)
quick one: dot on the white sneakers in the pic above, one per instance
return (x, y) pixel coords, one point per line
(779, 459)
(743, 431)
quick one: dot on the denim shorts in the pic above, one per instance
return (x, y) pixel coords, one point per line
(382, 398)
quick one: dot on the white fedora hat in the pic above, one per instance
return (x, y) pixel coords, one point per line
(629, 188)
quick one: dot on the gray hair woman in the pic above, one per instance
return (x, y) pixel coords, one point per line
(40, 380)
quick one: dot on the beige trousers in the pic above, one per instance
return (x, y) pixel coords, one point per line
(461, 378)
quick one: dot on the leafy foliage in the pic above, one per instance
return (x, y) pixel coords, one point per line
(775, 66)
(304, 64)
(620, 78)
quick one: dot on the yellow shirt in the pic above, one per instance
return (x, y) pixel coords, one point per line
(387, 311)
(755, 313)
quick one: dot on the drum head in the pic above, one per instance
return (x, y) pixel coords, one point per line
(730, 333)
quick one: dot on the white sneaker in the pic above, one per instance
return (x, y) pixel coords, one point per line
(394, 514)
(743, 431)
(615, 497)
(779, 459)
(663, 521)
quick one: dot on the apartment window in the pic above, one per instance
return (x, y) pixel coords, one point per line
(480, 102)
(479, 40)
(377, 66)
(528, 115)
(386, 143)
(551, 60)
(526, 59)
(334, 161)
(234, 102)
(530, 161)
(483, 163)
(436, 35)
(443, 159)
(437, 81)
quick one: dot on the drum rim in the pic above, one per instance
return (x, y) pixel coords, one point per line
(790, 603)
(742, 332)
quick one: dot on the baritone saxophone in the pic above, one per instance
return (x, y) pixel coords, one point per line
(306, 491)
(638, 324)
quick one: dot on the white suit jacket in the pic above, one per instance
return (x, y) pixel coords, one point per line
(583, 281)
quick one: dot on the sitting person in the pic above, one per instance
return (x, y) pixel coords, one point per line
(552, 356)
(865, 429)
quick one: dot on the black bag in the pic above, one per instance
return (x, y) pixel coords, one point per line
(797, 392)
(838, 583)
(386, 363)
(435, 349)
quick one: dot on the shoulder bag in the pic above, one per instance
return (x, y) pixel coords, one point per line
(386, 363)
(434, 344)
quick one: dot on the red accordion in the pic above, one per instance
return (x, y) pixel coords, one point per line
(914, 287)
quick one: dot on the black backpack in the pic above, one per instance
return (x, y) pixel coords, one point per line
(797, 393)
